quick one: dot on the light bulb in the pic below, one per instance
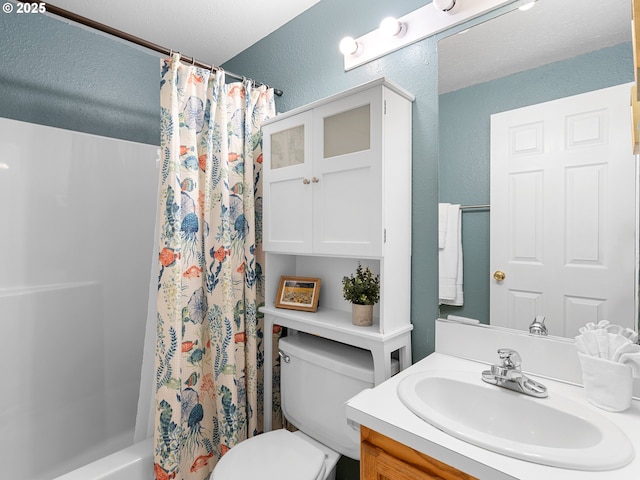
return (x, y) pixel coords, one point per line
(391, 27)
(348, 46)
(526, 6)
(444, 5)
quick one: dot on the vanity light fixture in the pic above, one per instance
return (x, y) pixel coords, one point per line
(426, 21)
(391, 27)
(350, 47)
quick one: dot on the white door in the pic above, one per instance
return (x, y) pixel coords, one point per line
(563, 213)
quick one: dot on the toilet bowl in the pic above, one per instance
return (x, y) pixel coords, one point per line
(317, 377)
(278, 455)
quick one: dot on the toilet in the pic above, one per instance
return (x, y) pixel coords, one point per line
(317, 377)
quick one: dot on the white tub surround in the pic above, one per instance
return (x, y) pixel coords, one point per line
(551, 361)
(77, 214)
(132, 463)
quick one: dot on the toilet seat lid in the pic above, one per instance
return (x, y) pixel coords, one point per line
(278, 454)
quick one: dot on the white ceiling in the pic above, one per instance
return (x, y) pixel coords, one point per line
(212, 31)
(551, 31)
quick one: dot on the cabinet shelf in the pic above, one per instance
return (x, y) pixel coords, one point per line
(333, 324)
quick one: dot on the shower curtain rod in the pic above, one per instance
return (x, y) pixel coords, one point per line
(60, 12)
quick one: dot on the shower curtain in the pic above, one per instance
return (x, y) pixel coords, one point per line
(209, 353)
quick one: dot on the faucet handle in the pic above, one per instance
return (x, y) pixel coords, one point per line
(510, 358)
(538, 327)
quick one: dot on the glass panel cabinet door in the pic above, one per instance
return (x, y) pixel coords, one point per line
(287, 185)
(287, 147)
(347, 132)
(347, 176)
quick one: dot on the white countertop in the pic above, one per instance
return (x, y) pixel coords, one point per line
(381, 410)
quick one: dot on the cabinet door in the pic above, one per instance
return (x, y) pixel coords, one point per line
(382, 458)
(379, 465)
(347, 176)
(287, 225)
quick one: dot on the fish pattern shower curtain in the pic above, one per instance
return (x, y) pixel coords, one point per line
(210, 285)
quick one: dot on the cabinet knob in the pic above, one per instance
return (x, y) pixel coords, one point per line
(306, 181)
(315, 179)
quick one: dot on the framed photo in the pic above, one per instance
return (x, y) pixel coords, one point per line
(298, 293)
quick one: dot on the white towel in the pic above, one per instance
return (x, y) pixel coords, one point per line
(588, 345)
(443, 222)
(629, 354)
(633, 361)
(450, 260)
(610, 346)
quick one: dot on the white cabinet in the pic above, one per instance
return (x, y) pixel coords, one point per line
(337, 191)
(337, 172)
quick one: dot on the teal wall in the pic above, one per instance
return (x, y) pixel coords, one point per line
(57, 74)
(302, 58)
(464, 165)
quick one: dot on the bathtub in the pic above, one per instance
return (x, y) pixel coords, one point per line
(132, 463)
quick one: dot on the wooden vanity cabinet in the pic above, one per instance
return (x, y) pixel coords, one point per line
(382, 458)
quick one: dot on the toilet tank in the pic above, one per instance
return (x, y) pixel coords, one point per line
(317, 377)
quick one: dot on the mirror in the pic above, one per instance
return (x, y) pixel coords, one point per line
(556, 49)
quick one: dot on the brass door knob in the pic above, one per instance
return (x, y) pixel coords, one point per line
(499, 275)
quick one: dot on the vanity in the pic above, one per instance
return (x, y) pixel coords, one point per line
(397, 444)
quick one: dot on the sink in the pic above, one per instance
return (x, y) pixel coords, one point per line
(554, 431)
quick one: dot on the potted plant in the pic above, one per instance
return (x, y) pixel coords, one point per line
(362, 289)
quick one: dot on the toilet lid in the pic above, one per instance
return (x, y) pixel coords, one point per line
(278, 454)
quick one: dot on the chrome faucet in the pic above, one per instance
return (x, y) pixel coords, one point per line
(538, 327)
(509, 375)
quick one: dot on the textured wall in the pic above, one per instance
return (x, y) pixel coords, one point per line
(58, 74)
(72, 283)
(302, 58)
(63, 75)
(464, 165)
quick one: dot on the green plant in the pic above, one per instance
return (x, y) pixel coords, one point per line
(363, 288)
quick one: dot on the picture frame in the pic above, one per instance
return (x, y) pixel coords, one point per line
(298, 293)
